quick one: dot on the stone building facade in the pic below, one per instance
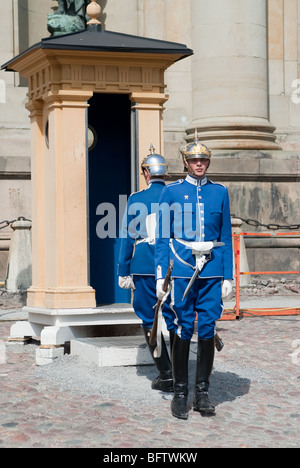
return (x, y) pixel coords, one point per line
(240, 89)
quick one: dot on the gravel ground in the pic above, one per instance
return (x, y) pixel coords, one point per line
(74, 404)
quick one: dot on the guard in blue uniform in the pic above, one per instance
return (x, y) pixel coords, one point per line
(194, 230)
(136, 267)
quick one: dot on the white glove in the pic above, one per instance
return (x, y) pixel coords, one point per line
(125, 282)
(162, 295)
(226, 288)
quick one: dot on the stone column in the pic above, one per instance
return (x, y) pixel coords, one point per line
(229, 74)
(36, 293)
(60, 258)
(66, 211)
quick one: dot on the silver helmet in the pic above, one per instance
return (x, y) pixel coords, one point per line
(154, 163)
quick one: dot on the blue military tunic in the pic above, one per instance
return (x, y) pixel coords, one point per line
(137, 251)
(194, 210)
(137, 243)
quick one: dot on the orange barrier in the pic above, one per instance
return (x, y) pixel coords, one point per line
(238, 312)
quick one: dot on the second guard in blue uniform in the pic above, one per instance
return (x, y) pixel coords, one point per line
(136, 267)
(194, 229)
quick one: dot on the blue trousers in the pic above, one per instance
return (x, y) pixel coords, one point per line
(205, 298)
(144, 301)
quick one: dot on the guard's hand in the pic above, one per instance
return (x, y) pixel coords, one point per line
(126, 282)
(162, 295)
(226, 288)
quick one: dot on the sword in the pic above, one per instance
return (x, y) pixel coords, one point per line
(194, 277)
(155, 335)
(201, 250)
(157, 350)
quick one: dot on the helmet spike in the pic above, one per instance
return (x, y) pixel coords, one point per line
(196, 136)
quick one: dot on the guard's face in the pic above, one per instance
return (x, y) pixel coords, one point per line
(197, 167)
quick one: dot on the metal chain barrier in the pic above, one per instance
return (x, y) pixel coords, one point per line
(273, 227)
(249, 221)
(4, 224)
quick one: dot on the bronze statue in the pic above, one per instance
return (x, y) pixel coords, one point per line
(72, 7)
(70, 17)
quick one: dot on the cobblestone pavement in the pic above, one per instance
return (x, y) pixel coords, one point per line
(70, 404)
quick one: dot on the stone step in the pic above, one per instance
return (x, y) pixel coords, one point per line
(112, 351)
(118, 351)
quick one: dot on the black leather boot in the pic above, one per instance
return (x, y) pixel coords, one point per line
(204, 366)
(180, 360)
(164, 381)
(172, 337)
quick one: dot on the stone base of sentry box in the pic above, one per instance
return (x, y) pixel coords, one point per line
(54, 327)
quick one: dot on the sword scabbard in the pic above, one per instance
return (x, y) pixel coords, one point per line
(159, 304)
(192, 281)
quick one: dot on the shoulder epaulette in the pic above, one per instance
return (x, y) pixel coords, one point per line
(180, 181)
(217, 183)
(136, 193)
